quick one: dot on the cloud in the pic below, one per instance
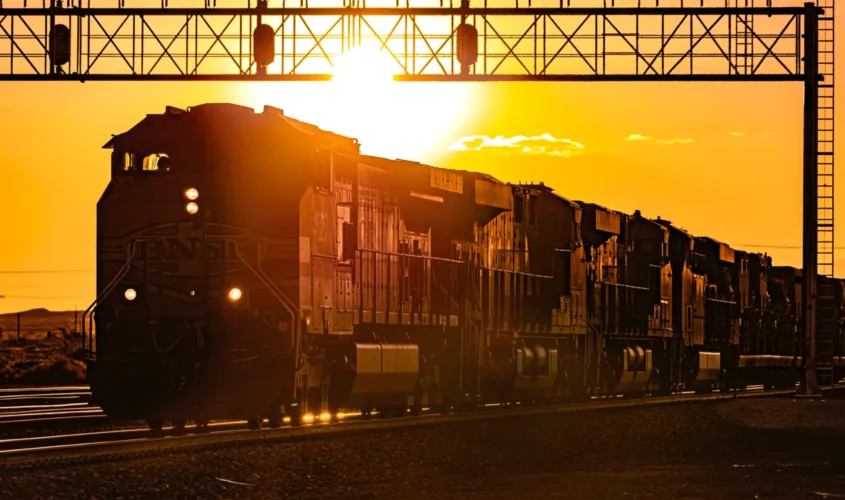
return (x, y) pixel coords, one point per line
(545, 144)
(736, 134)
(685, 140)
(641, 138)
(769, 134)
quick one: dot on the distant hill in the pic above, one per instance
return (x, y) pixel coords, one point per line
(41, 311)
(40, 319)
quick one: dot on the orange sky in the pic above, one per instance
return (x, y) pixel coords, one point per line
(735, 174)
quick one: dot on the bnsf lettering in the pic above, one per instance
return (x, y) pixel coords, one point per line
(175, 249)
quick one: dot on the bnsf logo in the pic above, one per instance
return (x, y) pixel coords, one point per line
(180, 249)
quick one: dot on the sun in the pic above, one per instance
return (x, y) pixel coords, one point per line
(409, 120)
(364, 68)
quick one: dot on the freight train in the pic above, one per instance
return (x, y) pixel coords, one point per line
(253, 266)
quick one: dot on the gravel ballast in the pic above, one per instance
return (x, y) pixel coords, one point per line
(745, 448)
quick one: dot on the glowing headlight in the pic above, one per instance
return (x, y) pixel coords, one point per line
(192, 208)
(235, 294)
(130, 294)
(192, 194)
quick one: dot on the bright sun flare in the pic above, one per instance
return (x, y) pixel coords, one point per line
(364, 66)
(414, 121)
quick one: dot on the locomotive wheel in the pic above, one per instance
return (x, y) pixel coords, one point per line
(274, 417)
(333, 411)
(295, 416)
(202, 425)
(156, 425)
(255, 423)
(179, 424)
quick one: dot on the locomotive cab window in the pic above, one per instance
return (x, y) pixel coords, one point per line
(156, 162)
(140, 162)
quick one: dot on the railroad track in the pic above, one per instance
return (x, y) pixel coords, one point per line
(32, 405)
(32, 450)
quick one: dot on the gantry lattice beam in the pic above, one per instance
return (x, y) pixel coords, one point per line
(514, 43)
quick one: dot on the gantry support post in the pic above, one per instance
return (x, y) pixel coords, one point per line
(809, 388)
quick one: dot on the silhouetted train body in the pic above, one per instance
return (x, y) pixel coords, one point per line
(251, 265)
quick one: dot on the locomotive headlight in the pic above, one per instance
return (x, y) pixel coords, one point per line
(192, 208)
(192, 194)
(130, 294)
(235, 294)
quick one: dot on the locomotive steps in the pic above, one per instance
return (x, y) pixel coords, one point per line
(33, 451)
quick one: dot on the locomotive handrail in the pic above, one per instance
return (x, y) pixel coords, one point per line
(721, 301)
(265, 280)
(423, 257)
(108, 289)
(622, 285)
(508, 271)
(277, 293)
(446, 293)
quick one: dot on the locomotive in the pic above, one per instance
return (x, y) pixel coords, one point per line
(253, 266)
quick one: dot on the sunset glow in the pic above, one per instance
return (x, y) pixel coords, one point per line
(415, 121)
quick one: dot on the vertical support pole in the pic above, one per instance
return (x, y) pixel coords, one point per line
(50, 38)
(810, 226)
(19, 327)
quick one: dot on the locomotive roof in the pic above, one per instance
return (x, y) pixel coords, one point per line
(712, 240)
(638, 215)
(378, 161)
(787, 270)
(762, 256)
(572, 204)
(597, 206)
(672, 227)
(157, 124)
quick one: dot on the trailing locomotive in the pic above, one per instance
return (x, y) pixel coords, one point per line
(250, 265)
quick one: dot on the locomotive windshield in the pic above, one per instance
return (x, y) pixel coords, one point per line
(140, 162)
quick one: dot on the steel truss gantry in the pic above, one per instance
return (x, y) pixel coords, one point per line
(528, 40)
(514, 43)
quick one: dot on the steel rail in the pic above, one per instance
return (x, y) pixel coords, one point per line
(42, 389)
(42, 452)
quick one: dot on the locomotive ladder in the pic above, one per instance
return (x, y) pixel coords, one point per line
(826, 324)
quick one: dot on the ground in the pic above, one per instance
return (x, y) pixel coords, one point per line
(45, 353)
(745, 448)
